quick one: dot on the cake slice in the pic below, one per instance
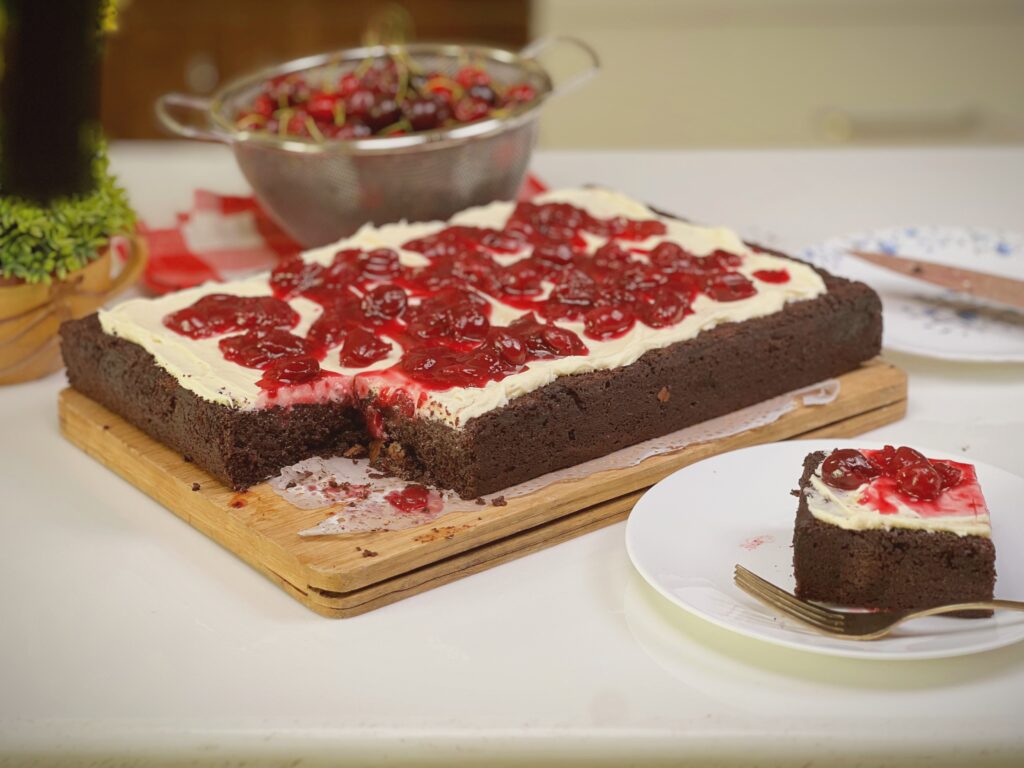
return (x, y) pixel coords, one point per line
(891, 530)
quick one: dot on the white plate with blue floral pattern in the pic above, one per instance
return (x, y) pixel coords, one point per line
(923, 319)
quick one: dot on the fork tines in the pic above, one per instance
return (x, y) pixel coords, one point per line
(808, 613)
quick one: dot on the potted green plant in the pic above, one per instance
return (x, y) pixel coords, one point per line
(62, 215)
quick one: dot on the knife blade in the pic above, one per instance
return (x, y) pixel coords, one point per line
(982, 285)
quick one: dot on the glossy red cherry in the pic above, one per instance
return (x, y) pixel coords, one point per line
(382, 114)
(294, 276)
(847, 469)
(667, 307)
(359, 103)
(562, 342)
(671, 257)
(220, 313)
(425, 114)
(521, 93)
(257, 349)
(608, 322)
(920, 480)
(906, 457)
(362, 348)
(381, 264)
(510, 348)
(521, 278)
(353, 130)
(772, 275)
(483, 93)
(289, 371)
(321, 106)
(951, 476)
(731, 286)
(383, 303)
(264, 105)
(348, 84)
(469, 75)
(468, 110)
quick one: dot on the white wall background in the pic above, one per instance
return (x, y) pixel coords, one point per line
(791, 72)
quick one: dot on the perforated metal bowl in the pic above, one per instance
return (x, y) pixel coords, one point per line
(322, 191)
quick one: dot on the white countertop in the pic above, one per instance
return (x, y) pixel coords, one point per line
(128, 635)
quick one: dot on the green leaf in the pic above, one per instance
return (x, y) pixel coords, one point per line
(40, 242)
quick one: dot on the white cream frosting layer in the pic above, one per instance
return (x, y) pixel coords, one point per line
(199, 366)
(958, 507)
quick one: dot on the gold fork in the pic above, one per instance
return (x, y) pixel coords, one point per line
(856, 626)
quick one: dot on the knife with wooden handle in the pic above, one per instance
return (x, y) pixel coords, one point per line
(982, 285)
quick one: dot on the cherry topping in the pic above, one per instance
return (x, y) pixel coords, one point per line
(294, 277)
(608, 322)
(383, 303)
(847, 469)
(381, 264)
(951, 476)
(911, 472)
(257, 349)
(220, 313)
(772, 275)
(413, 498)
(289, 371)
(667, 307)
(362, 348)
(670, 257)
(920, 480)
(730, 286)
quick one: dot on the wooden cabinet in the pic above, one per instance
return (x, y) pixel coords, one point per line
(196, 45)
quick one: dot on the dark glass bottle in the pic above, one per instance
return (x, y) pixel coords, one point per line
(49, 97)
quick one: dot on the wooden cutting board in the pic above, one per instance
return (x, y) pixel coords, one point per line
(345, 575)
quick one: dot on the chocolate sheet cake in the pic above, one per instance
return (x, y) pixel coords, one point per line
(477, 353)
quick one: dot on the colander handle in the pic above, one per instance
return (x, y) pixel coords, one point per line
(169, 103)
(542, 44)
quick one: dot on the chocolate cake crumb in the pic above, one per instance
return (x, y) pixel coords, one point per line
(290, 484)
(480, 500)
(106, 427)
(195, 486)
(499, 501)
(664, 395)
(369, 553)
(355, 450)
(187, 459)
(376, 475)
(375, 447)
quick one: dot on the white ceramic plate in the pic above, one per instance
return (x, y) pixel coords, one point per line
(928, 320)
(689, 531)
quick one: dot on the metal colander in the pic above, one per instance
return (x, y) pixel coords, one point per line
(322, 191)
